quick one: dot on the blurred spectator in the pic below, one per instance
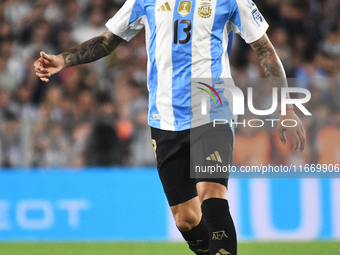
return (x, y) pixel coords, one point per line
(22, 102)
(55, 146)
(80, 136)
(94, 28)
(280, 38)
(331, 44)
(16, 12)
(6, 104)
(38, 39)
(12, 150)
(8, 80)
(13, 64)
(141, 147)
(308, 71)
(104, 148)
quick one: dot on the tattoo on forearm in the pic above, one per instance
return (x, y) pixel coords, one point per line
(92, 49)
(270, 62)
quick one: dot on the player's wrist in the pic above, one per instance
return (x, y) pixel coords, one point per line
(62, 61)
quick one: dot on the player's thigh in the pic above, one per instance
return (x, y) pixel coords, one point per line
(211, 153)
(172, 151)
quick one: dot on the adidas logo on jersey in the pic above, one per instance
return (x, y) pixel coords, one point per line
(215, 157)
(165, 7)
(222, 252)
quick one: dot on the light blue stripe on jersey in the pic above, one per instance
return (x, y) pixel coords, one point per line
(153, 73)
(235, 16)
(181, 62)
(221, 18)
(216, 41)
(137, 12)
(230, 41)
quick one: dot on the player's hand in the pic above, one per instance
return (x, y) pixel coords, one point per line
(48, 65)
(298, 132)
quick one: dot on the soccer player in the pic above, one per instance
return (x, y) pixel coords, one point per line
(184, 40)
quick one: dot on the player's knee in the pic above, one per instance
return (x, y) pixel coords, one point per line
(208, 190)
(187, 215)
(186, 220)
(186, 224)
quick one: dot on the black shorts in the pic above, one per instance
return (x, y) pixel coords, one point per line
(176, 157)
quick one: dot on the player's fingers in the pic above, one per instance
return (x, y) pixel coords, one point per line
(41, 70)
(46, 62)
(43, 78)
(302, 138)
(300, 125)
(42, 75)
(282, 135)
(45, 56)
(37, 64)
(303, 129)
(296, 140)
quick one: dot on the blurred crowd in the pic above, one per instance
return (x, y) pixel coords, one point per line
(96, 114)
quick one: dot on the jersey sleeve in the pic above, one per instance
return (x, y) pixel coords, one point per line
(247, 21)
(128, 21)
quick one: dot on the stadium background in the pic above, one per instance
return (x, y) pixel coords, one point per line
(75, 154)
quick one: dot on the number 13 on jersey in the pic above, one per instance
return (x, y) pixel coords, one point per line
(185, 30)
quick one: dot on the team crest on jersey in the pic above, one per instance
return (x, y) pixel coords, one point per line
(204, 10)
(184, 8)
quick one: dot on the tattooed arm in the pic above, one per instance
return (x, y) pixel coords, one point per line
(91, 50)
(270, 62)
(274, 71)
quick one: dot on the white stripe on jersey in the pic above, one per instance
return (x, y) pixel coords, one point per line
(201, 43)
(147, 45)
(201, 49)
(164, 20)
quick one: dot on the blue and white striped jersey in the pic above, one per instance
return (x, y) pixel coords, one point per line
(185, 39)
